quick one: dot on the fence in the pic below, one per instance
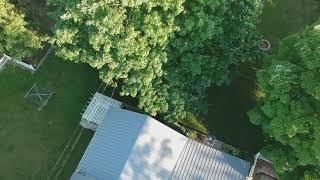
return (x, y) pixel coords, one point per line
(7, 59)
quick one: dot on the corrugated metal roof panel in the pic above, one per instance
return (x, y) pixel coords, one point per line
(199, 161)
(111, 145)
(98, 107)
(129, 145)
(133, 146)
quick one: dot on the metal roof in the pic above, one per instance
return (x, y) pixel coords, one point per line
(133, 146)
(199, 161)
(98, 107)
(129, 145)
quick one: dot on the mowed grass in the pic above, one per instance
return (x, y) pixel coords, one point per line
(30, 140)
(227, 118)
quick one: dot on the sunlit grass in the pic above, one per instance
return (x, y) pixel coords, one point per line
(31, 140)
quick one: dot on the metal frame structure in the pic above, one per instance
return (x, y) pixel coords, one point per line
(4, 60)
(39, 96)
(97, 110)
(7, 59)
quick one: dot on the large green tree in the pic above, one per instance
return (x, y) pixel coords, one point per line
(289, 111)
(125, 40)
(165, 52)
(15, 37)
(214, 37)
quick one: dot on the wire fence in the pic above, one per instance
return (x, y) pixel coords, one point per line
(56, 168)
(61, 162)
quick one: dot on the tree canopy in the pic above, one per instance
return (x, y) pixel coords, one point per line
(214, 36)
(165, 53)
(15, 37)
(126, 41)
(289, 112)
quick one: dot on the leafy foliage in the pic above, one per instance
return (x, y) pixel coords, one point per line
(165, 53)
(125, 41)
(289, 112)
(15, 37)
(214, 36)
(192, 122)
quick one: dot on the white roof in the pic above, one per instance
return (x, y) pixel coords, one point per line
(155, 152)
(129, 145)
(98, 107)
(133, 146)
(199, 161)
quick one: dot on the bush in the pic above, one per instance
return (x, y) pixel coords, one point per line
(193, 123)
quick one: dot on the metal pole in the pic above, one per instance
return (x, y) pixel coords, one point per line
(64, 150)
(43, 58)
(113, 91)
(68, 155)
(45, 102)
(38, 94)
(29, 90)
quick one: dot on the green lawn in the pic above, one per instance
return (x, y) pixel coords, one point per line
(227, 117)
(281, 18)
(31, 141)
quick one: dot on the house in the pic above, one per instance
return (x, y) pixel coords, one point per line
(133, 146)
(262, 169)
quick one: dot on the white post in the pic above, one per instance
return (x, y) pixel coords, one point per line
(4, 60)
(30, 90)
(43, 58)
(256, 157)
(45, 102)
